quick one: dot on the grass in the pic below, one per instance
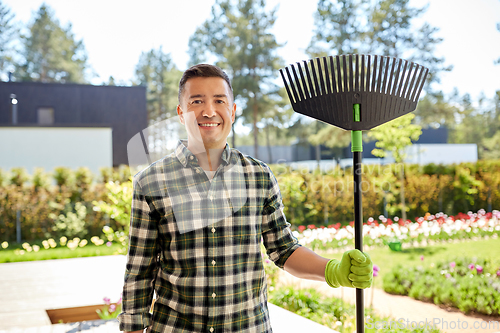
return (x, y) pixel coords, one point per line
(386, 259)
(90, 250)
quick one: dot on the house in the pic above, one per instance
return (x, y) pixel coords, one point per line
(68, 124)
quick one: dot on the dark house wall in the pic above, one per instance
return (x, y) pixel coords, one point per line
(122, 108)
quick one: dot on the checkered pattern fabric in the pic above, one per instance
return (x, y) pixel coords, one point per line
(209, 276)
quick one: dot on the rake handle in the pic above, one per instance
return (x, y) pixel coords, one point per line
(358, 234)
(357, 156)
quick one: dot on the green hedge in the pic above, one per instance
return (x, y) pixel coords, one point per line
(310, 198)
(55, 204)
(326, 198)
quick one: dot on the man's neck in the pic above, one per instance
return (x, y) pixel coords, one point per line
(209, 159)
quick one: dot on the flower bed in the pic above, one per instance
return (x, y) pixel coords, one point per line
(438, 227)
(332, 312)
(469, 284)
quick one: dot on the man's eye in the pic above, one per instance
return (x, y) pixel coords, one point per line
(196, 101)
(220, 101)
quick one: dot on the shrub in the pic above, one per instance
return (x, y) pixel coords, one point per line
(469, 284)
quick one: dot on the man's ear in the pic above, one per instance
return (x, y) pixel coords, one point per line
(180, 113)
(233, 113)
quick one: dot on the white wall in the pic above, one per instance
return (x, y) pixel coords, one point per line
(50, 147)
(441, 153)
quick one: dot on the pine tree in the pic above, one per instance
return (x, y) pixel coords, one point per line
(8, 34)
(237, 37)
(51, 52)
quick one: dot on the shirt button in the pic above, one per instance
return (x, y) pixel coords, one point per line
(211, 329)
(191, 157)
(213, 230)
(213, 262)
(198, 171)
(213, 295)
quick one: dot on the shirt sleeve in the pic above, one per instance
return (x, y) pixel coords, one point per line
(278, 238)
(141, 266)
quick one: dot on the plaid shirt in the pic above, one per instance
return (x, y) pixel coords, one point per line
(210, 275)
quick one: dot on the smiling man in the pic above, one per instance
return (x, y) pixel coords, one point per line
(198, 218)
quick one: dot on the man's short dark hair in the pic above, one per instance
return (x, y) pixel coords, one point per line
(203, 70)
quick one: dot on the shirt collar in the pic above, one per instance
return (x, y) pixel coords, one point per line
(184, 155)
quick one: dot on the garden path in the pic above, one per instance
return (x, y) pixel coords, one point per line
(409, 309)
(27, 289)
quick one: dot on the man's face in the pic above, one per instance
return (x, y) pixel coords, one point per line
(207, 110)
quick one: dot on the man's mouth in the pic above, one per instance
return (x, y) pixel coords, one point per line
(209, 125)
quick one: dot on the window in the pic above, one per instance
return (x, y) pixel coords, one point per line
(45, 116)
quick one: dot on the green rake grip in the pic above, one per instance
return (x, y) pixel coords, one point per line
(356, 136)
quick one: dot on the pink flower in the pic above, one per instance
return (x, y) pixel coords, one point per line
(268, 261)
(448, 275)
(112, 308)
(375, 270)
(119, 301)
(479, 269)
(422, 258)
(471, 266)
(107, 300)
(452, 264)
(498, 273)
(108, 244)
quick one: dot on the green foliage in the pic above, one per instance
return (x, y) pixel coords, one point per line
(469, 284)
(395, 136)
(51, 52)
(157, 72)
(329, 311)
(18, 176)
(118, 204)
(71, 221)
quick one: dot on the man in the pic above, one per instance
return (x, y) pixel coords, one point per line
(198, 218)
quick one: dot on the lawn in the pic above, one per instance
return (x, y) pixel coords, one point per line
(386, 259)
(90, 250)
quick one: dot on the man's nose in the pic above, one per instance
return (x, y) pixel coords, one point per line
(209, 111)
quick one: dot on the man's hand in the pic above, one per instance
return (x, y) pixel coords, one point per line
(355, 270)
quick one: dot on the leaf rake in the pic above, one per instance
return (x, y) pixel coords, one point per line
(356, 93)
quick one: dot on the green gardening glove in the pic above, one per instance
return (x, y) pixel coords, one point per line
(355, 270)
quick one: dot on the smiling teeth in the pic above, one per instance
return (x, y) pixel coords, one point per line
(209, 125)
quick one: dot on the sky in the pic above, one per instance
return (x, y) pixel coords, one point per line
(116, 32)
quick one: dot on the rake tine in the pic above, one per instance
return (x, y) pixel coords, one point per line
(412, 83)
(339, 74)
(363, 78)
(299, 88)
(308, 91)
(374, 74)
(420, 71)
(327, 76)
(317, 85)
(356, 75)
(384, 86)
(286, 86)
(368, 74)
(320, 72)
(421, 83)
(344, 65)
(334, 81)
(313, 89)
(324, 107)
(292, 85)
(351, 74)
(389, 87)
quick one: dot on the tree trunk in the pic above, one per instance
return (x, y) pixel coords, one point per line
(402, 194)
(255, 129)
(268, 144)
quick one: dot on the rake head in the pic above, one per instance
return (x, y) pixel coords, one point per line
(327, 88)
